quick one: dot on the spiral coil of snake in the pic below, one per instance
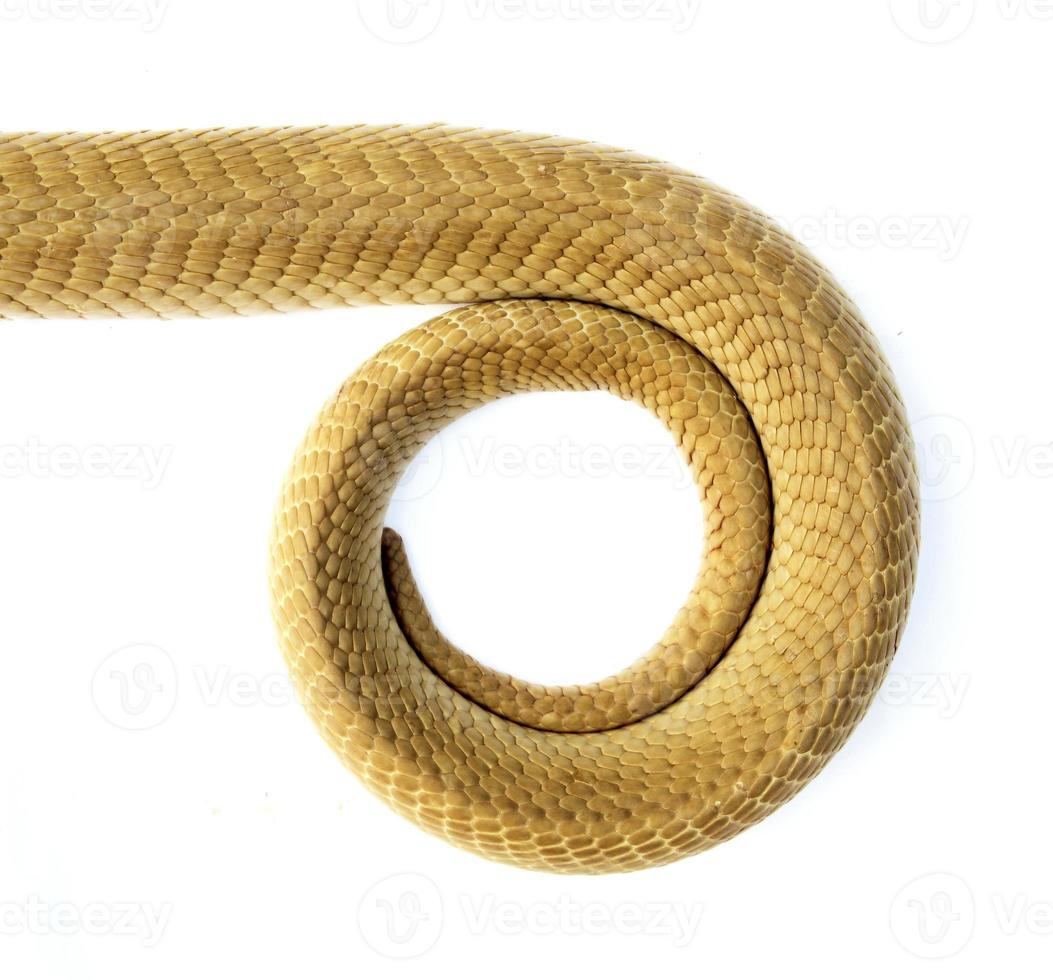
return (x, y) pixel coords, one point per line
(582, 268)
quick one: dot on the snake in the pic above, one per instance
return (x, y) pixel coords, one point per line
(561, 266)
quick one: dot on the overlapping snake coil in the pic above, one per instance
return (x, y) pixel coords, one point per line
(587, 268)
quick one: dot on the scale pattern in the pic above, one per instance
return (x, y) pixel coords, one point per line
(533, 345)
(594, 268)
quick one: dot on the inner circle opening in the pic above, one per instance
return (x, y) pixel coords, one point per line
(553, 535)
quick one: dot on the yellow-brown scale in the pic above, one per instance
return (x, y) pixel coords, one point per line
(596, 269)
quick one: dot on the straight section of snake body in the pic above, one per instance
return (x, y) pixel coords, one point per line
(575, 267)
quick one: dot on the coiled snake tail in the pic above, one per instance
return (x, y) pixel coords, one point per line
(586, 268)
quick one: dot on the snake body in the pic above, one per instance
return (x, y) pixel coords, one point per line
(585, 268)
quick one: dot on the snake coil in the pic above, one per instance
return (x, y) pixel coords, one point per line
(586, 268)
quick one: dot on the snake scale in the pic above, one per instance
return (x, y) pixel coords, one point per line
(576, 267)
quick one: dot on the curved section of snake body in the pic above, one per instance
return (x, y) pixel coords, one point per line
(589, 268)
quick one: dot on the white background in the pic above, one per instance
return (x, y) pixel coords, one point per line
(906, 144)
